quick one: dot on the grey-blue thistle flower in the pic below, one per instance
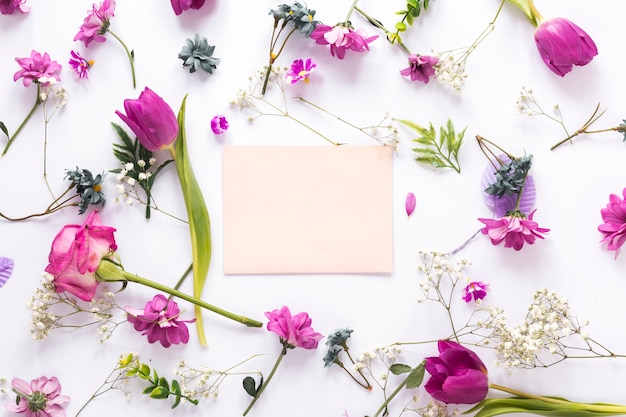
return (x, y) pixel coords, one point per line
(510, 177)
(88, 187)
(198, 54)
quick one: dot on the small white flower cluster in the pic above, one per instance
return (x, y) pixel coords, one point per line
(199, 383)
(247, 98)
(527, 104)
(60, 94)
(385, 355)
(3, 389)
(432, 409)
(435, 266)
(127, 187)
(451, 71)
(385, 132)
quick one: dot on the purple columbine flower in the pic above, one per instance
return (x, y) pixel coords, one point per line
(80, 65)
(475, 290)
(421, 67)
(300, 70)
(219, 124)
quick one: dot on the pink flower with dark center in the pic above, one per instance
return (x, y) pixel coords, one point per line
(475, 290)
(96, 23)
(294, 331)
(39, 398)
(180, 6)
(300, 70)
(342, 38)
(614, 226)
(80, 65)
(514, 229)
(219, 124)
(421, 68)
(159, 320)
(36, 67)
(10, 6)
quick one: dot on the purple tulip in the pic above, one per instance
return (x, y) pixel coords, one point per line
(562, 44)
(151, 119)
(458, 376)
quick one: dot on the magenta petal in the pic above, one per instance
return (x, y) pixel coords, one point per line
(6, 269)
(410, 203)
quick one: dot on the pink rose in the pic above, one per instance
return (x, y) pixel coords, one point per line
(76, 254)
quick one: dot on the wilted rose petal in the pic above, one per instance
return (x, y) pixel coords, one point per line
(409, 204)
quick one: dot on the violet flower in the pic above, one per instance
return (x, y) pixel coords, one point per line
(342, 37)
(10, 6)
(180, 6)
(159, 320)
(300, 70)
(219, 124)
(514, 229)
(421, 67)
(614, 226)
(80, 65)
(39, 398)
(475, 290)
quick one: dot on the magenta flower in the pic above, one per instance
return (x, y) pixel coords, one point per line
(342, 38)
(421, 67)
(458, 376)
(475, 290)
(562, 44)
(80, 65)
(37, 67)
(6, 269)
(294, 331)
(151, 119)
(96, 23)
(409, 203)
(10, 6)
(180, 6)
(514, 229)
(614, 226)
(76, 254)
(41, 398)
(159, 320)
(300, 70)
(219, 124)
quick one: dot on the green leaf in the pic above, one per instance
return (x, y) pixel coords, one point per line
(163, 383)
(177, 393)
(4, 129)
(559, 408)
(159, 393)
(416, 377)
(249, 385)
(400, 368)
(440, 151)
(144, 371)
(412, 3)
(400, 26)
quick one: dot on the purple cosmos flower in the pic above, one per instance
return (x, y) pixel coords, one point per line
(421, 67)
(562, 44)
(614, 226)
(475, 290)
(514, 229)
(10, 6)
(294, 331)
(159, 320)
(219, 124)
(300, 70)
(80, 65)
(458, 376)
(180, 6)
(409, 204)
(341, 38)
(6, 269)
(39, 398)
(96, 23)
(37, 67)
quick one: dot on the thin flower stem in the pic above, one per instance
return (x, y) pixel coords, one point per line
(347, 350)
(486, 151)
(28, 116)
(182, 279)
(457, 250)
(379, 25)
(594, 118)
(129, 54)
(64, 204)
(351, 10)
(366, 385)
(391, 396)
(267, 381)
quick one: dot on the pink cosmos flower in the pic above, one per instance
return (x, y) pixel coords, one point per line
(219, 124)
(562, 45)
(614, 226)
(180, 6)
(10, 6)
(96, 23)
(300, 70)
(41, 398)
(159, 320)
(76, 254)
(37, 67)
(475, 290)
(341, 38)
(294, 331)
(514, 229)
(421, 68)
(80, 65)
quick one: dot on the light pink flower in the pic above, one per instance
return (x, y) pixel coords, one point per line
(300, 70)
(342, 38)
(160, 321)
(10, 6)
(614, 226)
(421, 68)
(180, 6)
(45, 398)
(475, 290)
(96, 23)
(80, 65)
(514, 229)
(294, 331)
(219, 124)
(36, 67)
(76, 254)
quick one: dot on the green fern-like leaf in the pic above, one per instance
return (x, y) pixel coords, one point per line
(440, 147)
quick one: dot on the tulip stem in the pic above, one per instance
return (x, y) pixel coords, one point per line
(391, 396)
(28, 116)
(130, 54)
(267, 381)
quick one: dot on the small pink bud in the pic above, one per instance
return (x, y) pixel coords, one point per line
(410, 203)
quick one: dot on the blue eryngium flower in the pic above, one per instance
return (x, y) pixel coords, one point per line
(198, 54)
(88, 187)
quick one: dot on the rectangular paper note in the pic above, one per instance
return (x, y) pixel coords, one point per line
(307, 209)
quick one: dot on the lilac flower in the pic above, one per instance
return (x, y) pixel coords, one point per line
(614, 226)
(514, 229)
(37, 67)
(39, 398)
(421, 67)
(409, 204)
(6, 269)
(80, 65)
(10, 6)
(475, 290)
(180, 6)
(96, 23)
(342, 38)
(300, 70)
(219, 124)
(159, 320)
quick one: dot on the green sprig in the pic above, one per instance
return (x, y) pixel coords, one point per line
(412, 11)
(440, 152)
